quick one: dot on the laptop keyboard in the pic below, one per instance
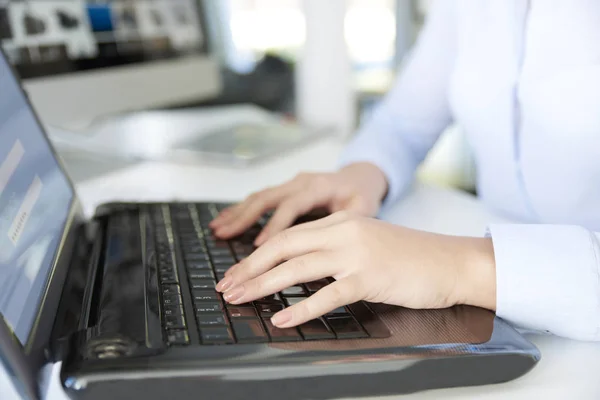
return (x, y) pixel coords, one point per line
(191, 260)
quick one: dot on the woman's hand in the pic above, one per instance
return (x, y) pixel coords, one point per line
(359, 188)
(370, 260)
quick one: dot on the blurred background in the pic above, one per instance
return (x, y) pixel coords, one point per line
(319, 63)
(378, 35)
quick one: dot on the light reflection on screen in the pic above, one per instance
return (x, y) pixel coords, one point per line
(35, 197)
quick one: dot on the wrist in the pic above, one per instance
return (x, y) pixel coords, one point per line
(478, 274)
(368, 178)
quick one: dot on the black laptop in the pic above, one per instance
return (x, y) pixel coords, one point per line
(127, 302)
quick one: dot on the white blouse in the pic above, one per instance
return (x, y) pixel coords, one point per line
(522, 78)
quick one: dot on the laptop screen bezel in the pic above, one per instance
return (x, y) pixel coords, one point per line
(74, 214)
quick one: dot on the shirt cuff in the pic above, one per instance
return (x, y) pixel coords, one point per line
(547, 278)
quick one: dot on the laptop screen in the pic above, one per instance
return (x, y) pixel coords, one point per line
(35, 198)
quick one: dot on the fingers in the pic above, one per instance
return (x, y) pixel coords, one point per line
(336, 294)
(234, 221)
(289, 210)
(328, 221)
(291, 200)
(306, 268)
(285, 246)
(223, 216)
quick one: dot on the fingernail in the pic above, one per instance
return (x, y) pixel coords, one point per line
(234, 295)
(224, 284)
(281, 318)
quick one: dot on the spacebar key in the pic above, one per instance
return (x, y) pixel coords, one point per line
(216, 335)
(249, 331)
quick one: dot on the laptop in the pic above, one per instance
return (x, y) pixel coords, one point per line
(126, 302)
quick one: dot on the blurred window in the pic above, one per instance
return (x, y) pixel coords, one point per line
(278, 26)
(371, 32)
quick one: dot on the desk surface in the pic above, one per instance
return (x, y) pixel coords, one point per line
(568, 369)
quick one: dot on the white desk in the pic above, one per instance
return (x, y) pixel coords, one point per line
(568, 370)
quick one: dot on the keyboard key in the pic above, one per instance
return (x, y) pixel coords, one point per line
(196, 257)
(267, 309)
(294, 300)
(274, 298)
(281, 335)
(220, 252)
(173, 299)
(316, 285)
(202, 284)
(240, 247)
(166, 270)
(202, 264)
(293, 291)
(223, 260)
(219, 275)
(189, 243)
(169, 278)
(338, 311)
(208, 307)
(165, 261)
(346, 327)
(210, 320)
(195, 249)
(200, 274)
(316, 330)
(187, 235)
(218, 244)
(178, 338)
(174, 322)
(172, 310)
(241, 312)
(216, 335)
(222, 267)
(205, 295)
(168, 290)
(249, 331)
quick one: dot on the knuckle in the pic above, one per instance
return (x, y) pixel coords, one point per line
(297, 205)
(280, 241)
(336, 295)
(297, 264)
(278, 221)
(354, 228)
(255, 286)
(320, 182)
(289, 206)
(303, 310)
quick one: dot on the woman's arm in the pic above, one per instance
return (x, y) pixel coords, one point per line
(416, 111)
(541, 277)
